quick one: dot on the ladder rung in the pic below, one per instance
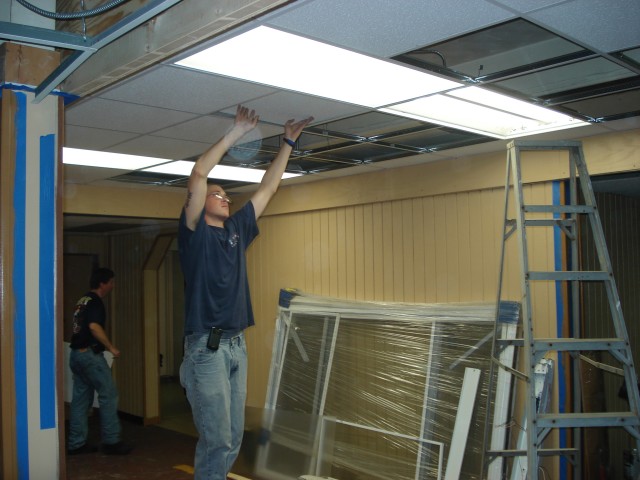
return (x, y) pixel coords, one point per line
(547, 452)
(579, 344)
(558, 208)
(579, 420)
(595, 276)
(544, 144)
(550, 222)
(567, 344)
(543, 452)
(508, 342)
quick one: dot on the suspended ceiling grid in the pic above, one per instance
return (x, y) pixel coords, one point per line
(580, 56)
(577, 56)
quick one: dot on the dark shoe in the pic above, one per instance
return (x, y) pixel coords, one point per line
(86, 448)
(119, 448)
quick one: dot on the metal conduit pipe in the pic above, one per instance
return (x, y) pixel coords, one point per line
(72, 15)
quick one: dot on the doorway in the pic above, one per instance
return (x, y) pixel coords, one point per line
(175, 412)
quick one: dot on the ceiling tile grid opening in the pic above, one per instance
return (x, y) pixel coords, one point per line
(578, 59)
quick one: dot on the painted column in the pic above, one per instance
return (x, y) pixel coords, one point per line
(31, 375)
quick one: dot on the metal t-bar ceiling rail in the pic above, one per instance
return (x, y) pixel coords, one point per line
(84, 46)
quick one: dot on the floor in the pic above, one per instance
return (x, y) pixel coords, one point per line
(161, 452)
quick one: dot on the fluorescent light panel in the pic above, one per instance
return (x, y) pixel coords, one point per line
(220, 172)
(315, 68)
(343, 75)
(119, 161)
(480, 111)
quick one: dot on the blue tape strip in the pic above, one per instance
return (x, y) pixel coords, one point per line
(47, 282)
(560, 313)
(20, 325)
(68, 97)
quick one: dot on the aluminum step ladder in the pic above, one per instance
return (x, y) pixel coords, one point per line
(532, 350)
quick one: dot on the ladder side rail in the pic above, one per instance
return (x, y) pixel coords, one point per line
(527, 324)
(630, 375)
(612, 290)
(600, 244)
(574, 302)
(492, 367)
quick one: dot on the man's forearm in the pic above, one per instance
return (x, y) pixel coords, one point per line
(99, 334)
(273, 175)
(214, 154)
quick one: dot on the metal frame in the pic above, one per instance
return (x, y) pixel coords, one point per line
(285, 331)
(85, 46)
(538, 425)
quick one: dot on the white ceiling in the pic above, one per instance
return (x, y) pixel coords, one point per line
(174, 113)
(170, 112)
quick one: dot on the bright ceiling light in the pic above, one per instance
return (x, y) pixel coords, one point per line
(351, 77)
(315, 68)
(120, 161)
(486, 113)
(219, 172)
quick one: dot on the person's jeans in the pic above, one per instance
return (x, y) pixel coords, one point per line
(216, 385)
(91, 373)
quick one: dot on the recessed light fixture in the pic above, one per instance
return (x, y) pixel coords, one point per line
(220, 172)
(481, 111)
(347, 76)
(315, 68)
(119, 161)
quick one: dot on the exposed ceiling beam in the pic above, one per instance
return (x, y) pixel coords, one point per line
(43, 37)
(183, 26)
(125, 25)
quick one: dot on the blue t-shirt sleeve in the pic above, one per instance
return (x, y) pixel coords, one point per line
(247, 221)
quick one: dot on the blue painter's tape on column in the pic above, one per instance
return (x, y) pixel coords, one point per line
(20, 326)
(47, 282)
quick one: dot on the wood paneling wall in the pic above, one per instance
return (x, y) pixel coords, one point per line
(128, 254)
(431, 249)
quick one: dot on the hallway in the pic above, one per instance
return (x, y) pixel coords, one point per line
(161, 452)
(158, 453)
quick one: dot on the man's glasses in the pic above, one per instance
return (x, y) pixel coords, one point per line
(219, 196)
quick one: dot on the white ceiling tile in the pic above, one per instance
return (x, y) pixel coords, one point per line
(620, 24)
(161, 147)
(185, 90)
(88, 138)
(121, 116)
(282, 106)
(209, 129)
(373, 26)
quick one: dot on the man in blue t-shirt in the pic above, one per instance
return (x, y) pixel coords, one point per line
(212, 247)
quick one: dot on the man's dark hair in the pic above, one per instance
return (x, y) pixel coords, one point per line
(100, 275)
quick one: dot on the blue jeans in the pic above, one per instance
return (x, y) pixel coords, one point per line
(91, 373)
(216, 385)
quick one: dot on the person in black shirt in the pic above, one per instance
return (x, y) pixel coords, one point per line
(91, 373)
